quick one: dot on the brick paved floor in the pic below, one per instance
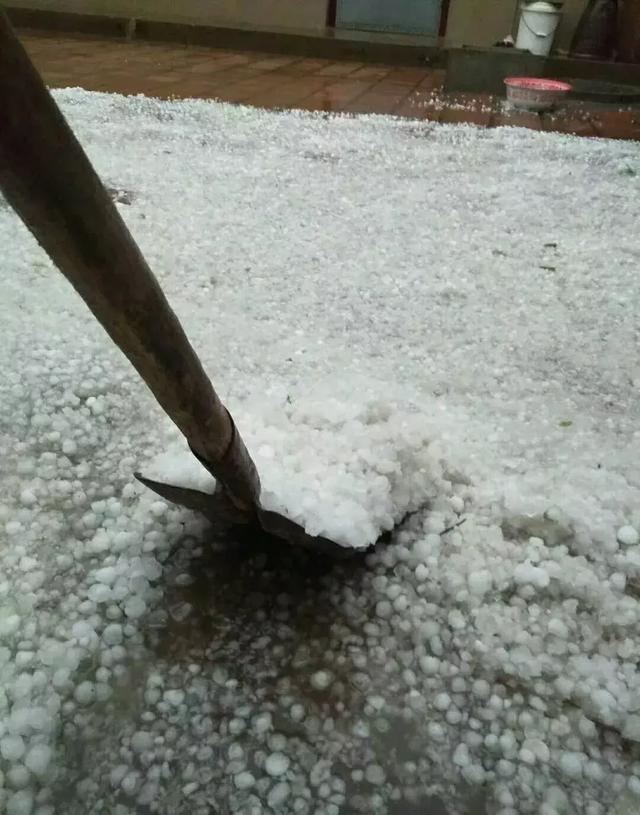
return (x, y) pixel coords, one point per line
(273, 81)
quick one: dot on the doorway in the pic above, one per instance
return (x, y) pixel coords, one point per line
(398, 16)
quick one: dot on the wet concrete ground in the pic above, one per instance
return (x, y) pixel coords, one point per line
(259, 619)
(274, 81)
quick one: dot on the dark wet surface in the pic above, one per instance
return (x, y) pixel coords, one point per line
(260, 617)
(596, 91)
(257, 587)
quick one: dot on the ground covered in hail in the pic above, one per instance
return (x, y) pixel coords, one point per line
(447, 318)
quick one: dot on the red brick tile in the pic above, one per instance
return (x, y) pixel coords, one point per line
(412, 106)
(376, 101)
(274, 80)
(273, 63)
(206, 67)
(384, 100)
(290, 93)
(312, 64)
(372, 72)
(245, 89)
(420, 97)
(433, 81)
(478, 118)
(516, 118)
(301, 67)
(162, 79)
(568, 123)
(614, 124)
(407, 76)
(336, 95)
(339, 68)
(384, 87)
(223, 79)
(426, 113)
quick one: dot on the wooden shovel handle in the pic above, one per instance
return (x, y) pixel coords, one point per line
(48, 179)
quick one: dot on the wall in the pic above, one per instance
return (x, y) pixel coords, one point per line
(484, 22)
(294, 14)
(571, 13)
(470, 22)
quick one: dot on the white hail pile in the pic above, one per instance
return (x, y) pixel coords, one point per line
(348, 471)
(485, 280)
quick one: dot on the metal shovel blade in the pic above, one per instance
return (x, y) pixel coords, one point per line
(218, 509)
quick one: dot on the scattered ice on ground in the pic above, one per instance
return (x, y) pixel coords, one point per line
(491, 644)
(244, 780)
(628, 536)
(276, 764)
(321, 680)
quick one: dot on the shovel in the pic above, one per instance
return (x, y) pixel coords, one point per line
(47, 178)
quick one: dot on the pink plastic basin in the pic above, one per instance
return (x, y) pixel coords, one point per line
(531, 93)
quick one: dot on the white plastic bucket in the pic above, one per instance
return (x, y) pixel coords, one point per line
(539, 22)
